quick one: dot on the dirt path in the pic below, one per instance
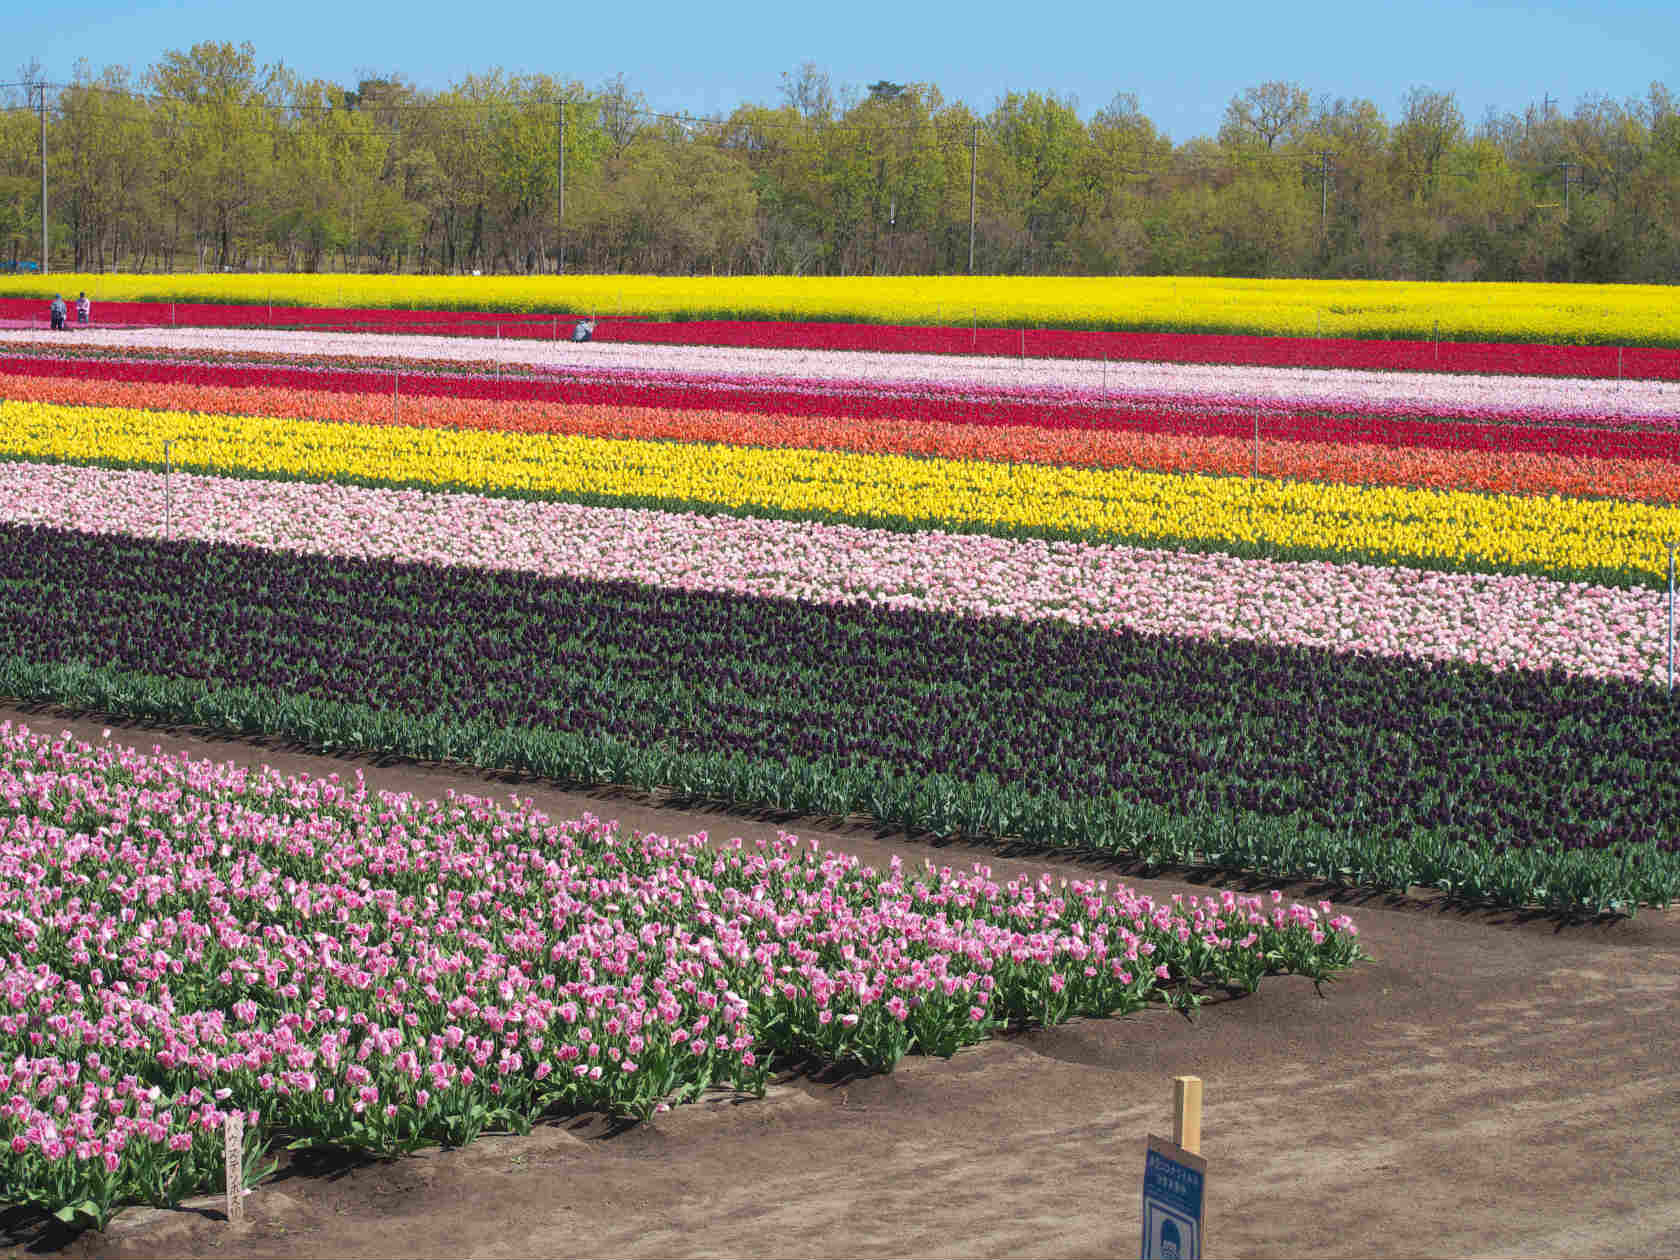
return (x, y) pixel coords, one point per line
(1492, 1084)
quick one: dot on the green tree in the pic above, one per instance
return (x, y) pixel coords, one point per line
(1430, 125)
(218, 139)
(20, 168)
(1042, 137)
(1268, 116)
(1118, 171)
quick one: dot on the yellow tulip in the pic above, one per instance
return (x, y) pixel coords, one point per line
(1440, 528)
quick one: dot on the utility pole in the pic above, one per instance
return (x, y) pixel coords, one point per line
(560, 207)
(41, 87)
(1567, 167)
(973, 167)
(1324, 193)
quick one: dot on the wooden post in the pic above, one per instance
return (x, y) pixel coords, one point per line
(1187, 1113)
(233, 1154)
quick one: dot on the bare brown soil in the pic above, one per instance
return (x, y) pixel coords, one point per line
(1492, 1084)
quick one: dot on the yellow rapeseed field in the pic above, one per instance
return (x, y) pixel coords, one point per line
(1434, 528)
(1558, 313)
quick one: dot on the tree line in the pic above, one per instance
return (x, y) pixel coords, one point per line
(209, 159)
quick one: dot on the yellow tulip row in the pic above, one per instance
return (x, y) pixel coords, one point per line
(1435, 528)
(1602, 314)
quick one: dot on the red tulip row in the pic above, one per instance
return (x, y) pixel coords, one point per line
(1497, 358)
(1139, 416)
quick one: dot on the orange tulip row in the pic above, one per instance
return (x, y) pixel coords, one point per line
(1496, 472)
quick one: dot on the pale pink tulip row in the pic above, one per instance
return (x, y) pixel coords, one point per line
(1502, 621)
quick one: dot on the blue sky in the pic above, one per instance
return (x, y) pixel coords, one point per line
(1184, 61)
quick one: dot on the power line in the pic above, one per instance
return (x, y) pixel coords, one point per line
(823, 127)
(948, 127)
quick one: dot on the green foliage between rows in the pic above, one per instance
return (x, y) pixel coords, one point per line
(1570, 880)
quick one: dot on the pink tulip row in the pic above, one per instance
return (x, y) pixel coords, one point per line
(379, 971)
(1530, 399)
(1501, 621)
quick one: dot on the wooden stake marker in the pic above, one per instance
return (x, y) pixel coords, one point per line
(1175, 1180)
(233, 1154)
(1187, 1113)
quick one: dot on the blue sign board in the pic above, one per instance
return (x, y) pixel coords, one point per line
(1173, 1180)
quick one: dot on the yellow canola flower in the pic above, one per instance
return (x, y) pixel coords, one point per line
(1604, 314)
(1457, 529)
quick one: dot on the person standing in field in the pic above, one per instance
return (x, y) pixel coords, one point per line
(84, 308)
(58, 312)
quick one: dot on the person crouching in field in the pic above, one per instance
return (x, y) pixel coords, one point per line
(84, 308)
(58, 312)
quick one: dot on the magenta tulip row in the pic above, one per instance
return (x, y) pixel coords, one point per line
(883, 377)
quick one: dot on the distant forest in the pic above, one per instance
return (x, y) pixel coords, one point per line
(211, 160)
